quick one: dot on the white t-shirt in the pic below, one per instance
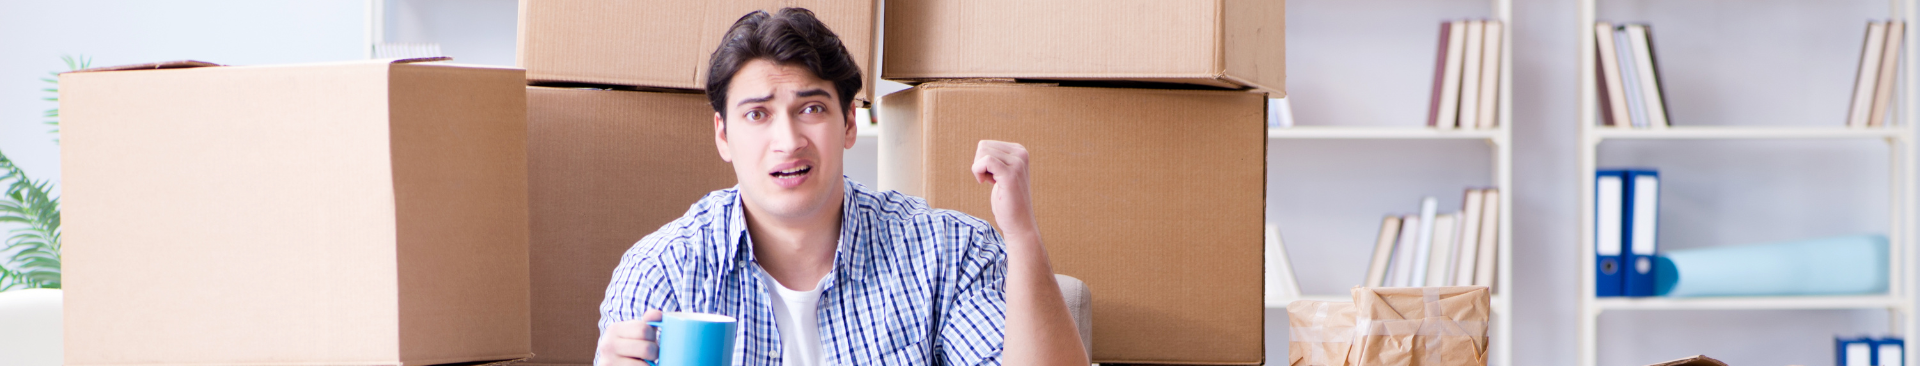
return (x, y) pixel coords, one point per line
(794, 313)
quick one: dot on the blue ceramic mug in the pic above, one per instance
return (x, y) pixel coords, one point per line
(695, 339)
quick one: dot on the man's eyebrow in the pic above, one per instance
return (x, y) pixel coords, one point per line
(762, 99)
(812, 93)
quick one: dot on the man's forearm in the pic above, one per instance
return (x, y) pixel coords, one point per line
(1039, 330)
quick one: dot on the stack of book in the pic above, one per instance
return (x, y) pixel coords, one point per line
(1439, 249)
(1629, 80)
(1466, 75)
(1879, 63)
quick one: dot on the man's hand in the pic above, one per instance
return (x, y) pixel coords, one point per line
(628, 343)
(1004, 164)
(1039, 330)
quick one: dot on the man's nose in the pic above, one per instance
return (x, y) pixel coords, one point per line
(786, 134)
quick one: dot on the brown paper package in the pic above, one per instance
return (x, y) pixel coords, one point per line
(1420, 326)
(1321, 333)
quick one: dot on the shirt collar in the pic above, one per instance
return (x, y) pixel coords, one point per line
(845, 253)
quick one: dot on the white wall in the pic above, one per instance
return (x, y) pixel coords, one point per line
(34, 34)
(470, 31)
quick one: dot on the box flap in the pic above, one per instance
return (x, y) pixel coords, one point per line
(179, 64)
(188, 64)
(600, 41)
(421, 59)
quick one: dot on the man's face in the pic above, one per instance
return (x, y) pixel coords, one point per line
(785, 136)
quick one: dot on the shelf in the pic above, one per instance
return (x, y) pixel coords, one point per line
(1750, 303)
(1497, 300)
(1316, 132)
(1744, 132)
(1282, 303)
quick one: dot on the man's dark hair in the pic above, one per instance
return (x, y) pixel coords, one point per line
(792, 37)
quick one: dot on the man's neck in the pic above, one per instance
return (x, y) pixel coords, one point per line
(797, 253)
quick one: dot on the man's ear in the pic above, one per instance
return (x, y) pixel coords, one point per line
(720, 137)
(853, 126)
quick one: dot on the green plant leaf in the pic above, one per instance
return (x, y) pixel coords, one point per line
(30, 204)
(35, 262)
(43, 279)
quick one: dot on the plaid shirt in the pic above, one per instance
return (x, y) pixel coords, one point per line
(910, 285)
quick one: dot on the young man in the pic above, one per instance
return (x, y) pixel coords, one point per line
(820, 270)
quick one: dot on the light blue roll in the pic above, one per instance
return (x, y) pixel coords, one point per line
(1846, 265)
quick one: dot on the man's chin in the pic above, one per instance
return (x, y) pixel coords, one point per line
(791, 202)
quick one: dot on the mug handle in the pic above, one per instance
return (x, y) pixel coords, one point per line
(656, 340)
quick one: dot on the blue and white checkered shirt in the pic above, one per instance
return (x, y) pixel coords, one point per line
(910, 285)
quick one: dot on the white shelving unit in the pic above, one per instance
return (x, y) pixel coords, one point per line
(1500, 139)
(1898, 136)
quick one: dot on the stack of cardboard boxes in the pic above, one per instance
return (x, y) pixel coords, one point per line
(391, 212)
(405, 212)
(1145, 126)
(620, 138)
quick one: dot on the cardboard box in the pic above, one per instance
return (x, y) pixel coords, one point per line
(354, 213)
(605, 168)
(1223, 43)
(1421, 326)
(1319, 333)
(663, 43)
(1154, 198)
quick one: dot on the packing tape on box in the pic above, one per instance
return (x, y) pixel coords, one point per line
(1432, 328)
(1320, 333)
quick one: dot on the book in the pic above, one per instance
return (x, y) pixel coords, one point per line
(1652, 100)
(1281, 283)
(1630, 78)
(1490, 76)
(1468, 243)
(1489, 261)
(1423, 244)
(1890, 351)
(1853, 351)
(1470, 73)
(1440, 262)
(1868, 76)
(1383, 251)
(1400, 272)
(1641, 239)
(1609, 213)
(1613, 107)
(1889, 67)
(1444, 111)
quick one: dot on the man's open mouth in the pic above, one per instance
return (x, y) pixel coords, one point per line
(793, 172)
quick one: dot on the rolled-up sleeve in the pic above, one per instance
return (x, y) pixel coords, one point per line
(974, 330)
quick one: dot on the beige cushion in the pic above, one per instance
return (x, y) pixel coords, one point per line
(1079, 306)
